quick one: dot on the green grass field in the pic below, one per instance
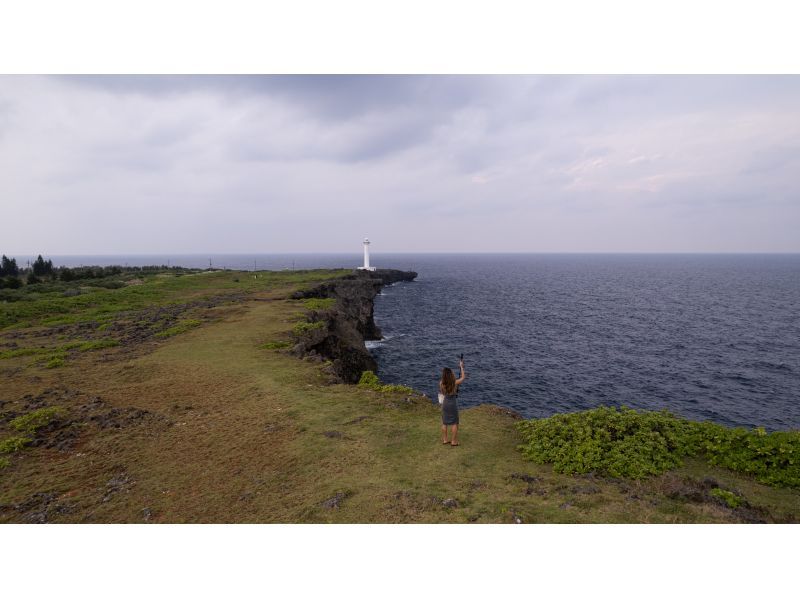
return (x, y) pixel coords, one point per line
(216, 422)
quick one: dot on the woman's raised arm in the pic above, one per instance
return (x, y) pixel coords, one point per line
(463, 373)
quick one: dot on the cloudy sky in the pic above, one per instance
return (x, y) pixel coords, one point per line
(487, 163)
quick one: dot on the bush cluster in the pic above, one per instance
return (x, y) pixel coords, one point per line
(371, 380)
(773, 458)
(635, 444)
(302, 328)
(317, 304)
(31, 422)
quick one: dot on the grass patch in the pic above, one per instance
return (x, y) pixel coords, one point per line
(275, 345)
(625, 443)
(371, 381)
(56, 361)
(4, 462)
(31, 422)
(302, 328)
(318, 304)
(96, 345)
(179, 328)
(55, 357)
(22, 352)
(13, 444)
(729, 498)
(29, 305)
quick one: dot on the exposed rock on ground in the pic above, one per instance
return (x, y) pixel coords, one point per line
(335, 501)
(64, 431)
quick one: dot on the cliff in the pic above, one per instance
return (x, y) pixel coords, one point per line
(349, 322)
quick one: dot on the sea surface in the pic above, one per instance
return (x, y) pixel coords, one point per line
(711, 337)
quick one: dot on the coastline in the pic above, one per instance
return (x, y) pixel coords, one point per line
(203, 412)
(349, 322)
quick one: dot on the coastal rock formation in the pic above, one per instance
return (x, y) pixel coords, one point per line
(346, 325)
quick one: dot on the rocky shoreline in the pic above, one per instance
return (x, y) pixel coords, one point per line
(348, 323)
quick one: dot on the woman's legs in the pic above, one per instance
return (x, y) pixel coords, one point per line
(454, 442)
(444, 434)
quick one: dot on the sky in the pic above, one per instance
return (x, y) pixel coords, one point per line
(289, 164)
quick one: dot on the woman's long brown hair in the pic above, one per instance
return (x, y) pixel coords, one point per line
(448, 381)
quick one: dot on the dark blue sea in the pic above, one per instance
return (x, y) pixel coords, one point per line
(713, 337)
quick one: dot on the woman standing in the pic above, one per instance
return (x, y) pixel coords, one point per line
(448, 386)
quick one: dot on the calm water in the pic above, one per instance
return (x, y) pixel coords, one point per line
(710, 337)
(707, 336)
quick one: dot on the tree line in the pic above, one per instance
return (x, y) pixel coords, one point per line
(42, 270)
(10, 272)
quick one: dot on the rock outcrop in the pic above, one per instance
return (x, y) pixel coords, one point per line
(349, 322)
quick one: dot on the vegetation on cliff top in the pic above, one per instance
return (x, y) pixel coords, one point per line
(370, 380)
(633, 444)
(208, 426)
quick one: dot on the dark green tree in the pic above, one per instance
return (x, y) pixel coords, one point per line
(39, 266)
(8, 267)
(42, 267)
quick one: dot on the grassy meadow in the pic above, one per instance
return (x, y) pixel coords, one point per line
(173, 398)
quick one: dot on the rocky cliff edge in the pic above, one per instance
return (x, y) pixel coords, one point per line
(349, 322)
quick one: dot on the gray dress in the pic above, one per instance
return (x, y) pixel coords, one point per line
(450, 409)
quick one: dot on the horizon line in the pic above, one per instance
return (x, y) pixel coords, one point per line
(356, 252)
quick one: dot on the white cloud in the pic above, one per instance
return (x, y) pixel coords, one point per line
(287, 164)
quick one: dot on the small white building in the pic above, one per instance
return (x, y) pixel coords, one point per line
(366, 265)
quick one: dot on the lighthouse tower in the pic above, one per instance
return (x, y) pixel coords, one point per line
(366, 265)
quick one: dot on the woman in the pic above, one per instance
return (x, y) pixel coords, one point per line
(448, 386)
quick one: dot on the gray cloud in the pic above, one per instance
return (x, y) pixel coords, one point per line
(450, 163)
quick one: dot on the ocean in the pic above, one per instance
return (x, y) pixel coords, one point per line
(710, 337)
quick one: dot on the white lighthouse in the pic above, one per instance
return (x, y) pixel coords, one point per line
(366, 265)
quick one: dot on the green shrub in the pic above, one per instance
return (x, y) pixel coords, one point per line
(56, 361)
(13, 444)
(302, 328)
(12, 282)
(30, 422)
(371, 380)
(619, 443)
(396, 388)
(4, 462)
(729, 498)
(773, 458)
(632, 444)
(318, 304)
